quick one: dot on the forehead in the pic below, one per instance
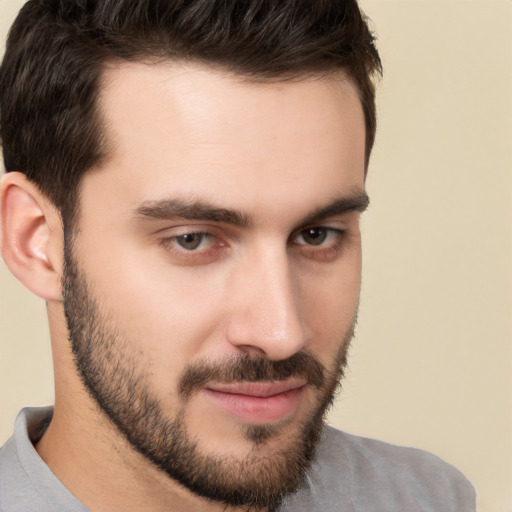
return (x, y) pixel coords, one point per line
(193, 131)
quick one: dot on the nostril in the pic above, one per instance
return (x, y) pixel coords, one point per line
(252, 350)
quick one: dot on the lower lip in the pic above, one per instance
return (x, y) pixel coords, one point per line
(257, 410)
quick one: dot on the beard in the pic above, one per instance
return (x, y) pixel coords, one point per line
(120, 385)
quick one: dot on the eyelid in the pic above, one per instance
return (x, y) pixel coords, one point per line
(192, 227)
(183, 228)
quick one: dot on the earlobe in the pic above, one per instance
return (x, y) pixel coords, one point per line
(31, 236)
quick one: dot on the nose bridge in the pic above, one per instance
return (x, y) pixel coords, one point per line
(266, 315)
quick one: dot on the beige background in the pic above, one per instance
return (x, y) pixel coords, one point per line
(432, 362)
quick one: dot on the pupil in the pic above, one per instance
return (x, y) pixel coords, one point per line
(315, 236)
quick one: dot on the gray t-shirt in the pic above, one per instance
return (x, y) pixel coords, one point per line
(350, 474)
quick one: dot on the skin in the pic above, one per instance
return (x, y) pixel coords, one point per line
(276, 153)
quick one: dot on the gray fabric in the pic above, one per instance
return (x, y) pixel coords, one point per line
(350, 474)
(356, 474)
(26, 482)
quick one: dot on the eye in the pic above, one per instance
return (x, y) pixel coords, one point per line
(193, 241)
(317, 236)
(320, 243)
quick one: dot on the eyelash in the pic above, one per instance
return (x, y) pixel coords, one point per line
(327, 252)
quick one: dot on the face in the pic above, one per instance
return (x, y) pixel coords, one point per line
(212, 284)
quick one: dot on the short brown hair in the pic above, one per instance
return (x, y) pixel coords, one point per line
(50, 76)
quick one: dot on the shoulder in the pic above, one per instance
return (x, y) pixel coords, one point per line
(26, 482)
(357, 473)
(17, 492)
(380, 459)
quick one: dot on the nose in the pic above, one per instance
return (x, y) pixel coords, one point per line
(266, 315)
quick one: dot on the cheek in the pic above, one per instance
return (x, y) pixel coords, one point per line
(330, 304)
(170, 318)
(163, 314)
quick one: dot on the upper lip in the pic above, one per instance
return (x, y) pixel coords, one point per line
(258, 389)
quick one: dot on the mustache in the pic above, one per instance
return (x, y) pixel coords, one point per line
(246, 368)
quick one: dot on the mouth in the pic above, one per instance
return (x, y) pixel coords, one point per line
(257, 403)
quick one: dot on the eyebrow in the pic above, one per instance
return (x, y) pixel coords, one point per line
(358, 202)
(168, 209)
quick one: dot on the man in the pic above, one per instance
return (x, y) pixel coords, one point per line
(184, 185)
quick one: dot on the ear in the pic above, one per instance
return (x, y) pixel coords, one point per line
(31, 236)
